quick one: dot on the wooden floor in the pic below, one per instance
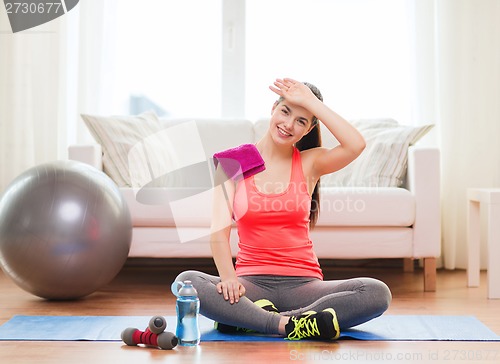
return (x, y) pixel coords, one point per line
(145, 291)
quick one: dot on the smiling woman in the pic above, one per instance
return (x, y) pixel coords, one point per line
(276, 269)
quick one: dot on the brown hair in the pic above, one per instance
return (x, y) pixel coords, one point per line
(308, 141)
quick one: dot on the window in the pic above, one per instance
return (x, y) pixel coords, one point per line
(168, 56)
(177, 56)
(355, 51)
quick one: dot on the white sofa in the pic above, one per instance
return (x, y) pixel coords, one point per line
(172, 219)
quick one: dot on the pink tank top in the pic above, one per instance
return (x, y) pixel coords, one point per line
(273, 229)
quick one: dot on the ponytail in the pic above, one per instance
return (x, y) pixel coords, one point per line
(312, 140)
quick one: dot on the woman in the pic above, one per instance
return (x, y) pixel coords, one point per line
(276, 286)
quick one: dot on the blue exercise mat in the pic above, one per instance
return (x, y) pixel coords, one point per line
(109, 328)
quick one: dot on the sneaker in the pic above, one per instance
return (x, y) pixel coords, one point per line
(313, 325)
(267, 305)
(228, 329)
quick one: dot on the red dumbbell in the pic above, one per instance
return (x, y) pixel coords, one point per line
(154, 335)
(165, 340)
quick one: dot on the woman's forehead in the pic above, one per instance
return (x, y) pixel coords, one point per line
(299, 110)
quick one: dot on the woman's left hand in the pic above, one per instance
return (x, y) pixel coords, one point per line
(293, 91)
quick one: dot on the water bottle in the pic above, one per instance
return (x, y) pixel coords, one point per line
(188, 309)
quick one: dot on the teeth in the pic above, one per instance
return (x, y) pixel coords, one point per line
(284, 132)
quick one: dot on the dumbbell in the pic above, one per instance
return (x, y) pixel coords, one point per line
(157, 324)
(154, 335)
(132, 337)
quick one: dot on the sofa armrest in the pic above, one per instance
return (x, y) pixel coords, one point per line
(90, 154)
(423, 180)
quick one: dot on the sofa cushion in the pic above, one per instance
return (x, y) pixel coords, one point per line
(143, 151)
(384, 161)
(218, 134)
(187, 148)
(362, 243)
(160, 242)
(364, 206)
(169, 206)
(117, 135)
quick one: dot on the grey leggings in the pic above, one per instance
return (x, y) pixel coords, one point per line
(354, 300)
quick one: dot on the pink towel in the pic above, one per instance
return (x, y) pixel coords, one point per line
(240, 162)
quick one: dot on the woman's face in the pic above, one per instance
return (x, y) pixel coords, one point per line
(289, 123)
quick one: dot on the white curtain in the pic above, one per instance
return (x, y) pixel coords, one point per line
(458, 82)
(29, 92)
(48, 76)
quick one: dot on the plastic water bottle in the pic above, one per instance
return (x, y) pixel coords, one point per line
(188, 309)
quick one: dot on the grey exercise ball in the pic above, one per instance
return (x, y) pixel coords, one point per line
(65, 230)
